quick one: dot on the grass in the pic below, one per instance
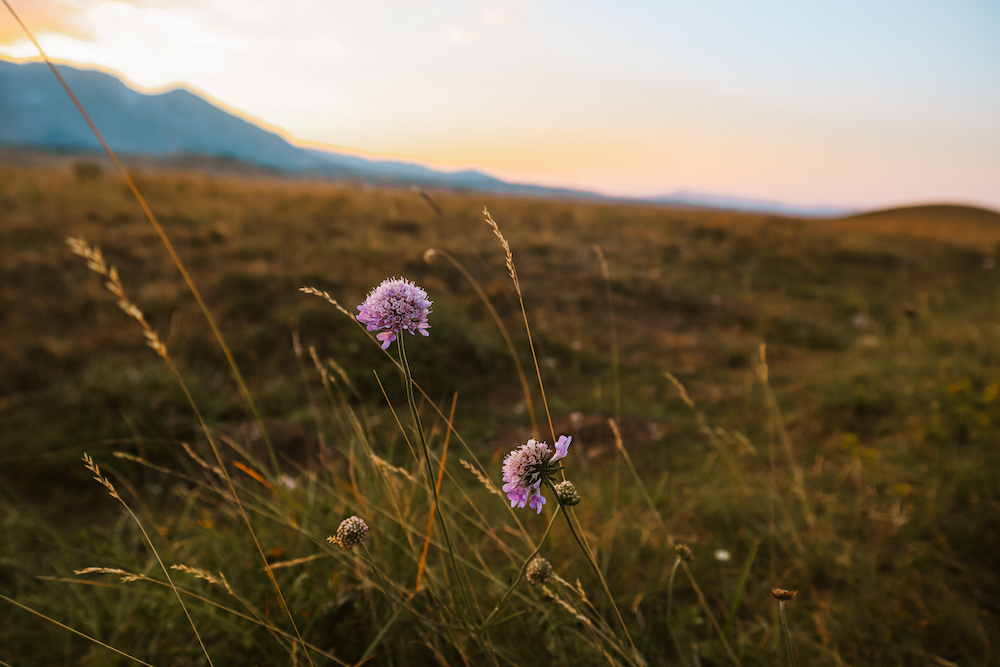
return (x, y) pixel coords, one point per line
(852, 458)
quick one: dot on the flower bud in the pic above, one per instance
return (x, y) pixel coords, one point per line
(783, 595)
(352, 531)
(683, 552)
(567, 494)
(539, 571)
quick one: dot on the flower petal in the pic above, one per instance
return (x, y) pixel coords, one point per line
(537, 501)
(562, 447)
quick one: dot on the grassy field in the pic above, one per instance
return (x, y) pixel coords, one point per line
(841, 436)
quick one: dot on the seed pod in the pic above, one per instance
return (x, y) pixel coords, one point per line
(352, 531)
(539, 571)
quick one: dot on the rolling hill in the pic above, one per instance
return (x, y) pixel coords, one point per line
(35, 113)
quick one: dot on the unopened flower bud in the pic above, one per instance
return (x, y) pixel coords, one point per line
(352, 531)
(782, 594)
(683, 552)
(539, 571)
(567, 494)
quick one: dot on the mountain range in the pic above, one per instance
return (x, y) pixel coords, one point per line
(36, 113)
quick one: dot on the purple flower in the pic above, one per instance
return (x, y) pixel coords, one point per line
(394, 306)
(525, 468)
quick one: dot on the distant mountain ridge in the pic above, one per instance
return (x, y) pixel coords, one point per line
(35, 112)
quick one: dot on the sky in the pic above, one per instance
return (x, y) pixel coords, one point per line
(848, 103)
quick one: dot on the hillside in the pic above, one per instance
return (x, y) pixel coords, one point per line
(966, 225)
(858, 466)
(181, 129)
(35, 112)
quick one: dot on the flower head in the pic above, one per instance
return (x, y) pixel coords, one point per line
(351, 531)
(395, 305)
(525, 468)
(538, 572)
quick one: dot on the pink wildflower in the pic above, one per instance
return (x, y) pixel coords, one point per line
(395, 305)
(527, 467)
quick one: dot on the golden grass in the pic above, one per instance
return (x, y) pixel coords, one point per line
(831, 505)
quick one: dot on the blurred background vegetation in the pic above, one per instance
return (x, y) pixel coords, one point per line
(863, 473)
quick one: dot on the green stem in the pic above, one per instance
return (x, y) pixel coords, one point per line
(430, 469)
(600, 576)
(670, 609)
(520, 574)
(786, 639)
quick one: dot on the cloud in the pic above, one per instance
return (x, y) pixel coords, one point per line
(64, 17)
(495, 17)
(463, 35)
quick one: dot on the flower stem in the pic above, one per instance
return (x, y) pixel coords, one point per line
(520, 574)
(786, 639)
(600, 576)
(670, 608)
(430, 470)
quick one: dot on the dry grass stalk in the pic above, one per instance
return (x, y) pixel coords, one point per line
(199, 573)
(200, 461)
(620, 445)
(208, 316)
(126, 576)
(680, 389)
(481, 477)
(104, 481)
(429, 254)
(93, 467)
(524, 315)
(506, 246)
(568, 607)
(422, 563)
(382, 464)
(297, 561)
(326, 295)
(96, 263)
(615, 356)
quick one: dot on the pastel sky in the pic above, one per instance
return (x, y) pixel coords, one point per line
(853, 102)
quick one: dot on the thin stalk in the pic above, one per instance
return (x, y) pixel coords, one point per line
(395, 613)
(440, 477)
(520, 574)
(433, 252)
(92, 467)
(711, 616)
(73, 630)
(670, 609)
(600, 576)
(524, 314)
(741, 587)
(615, 355)
(786, 639)
(276, 468)
(430, 470)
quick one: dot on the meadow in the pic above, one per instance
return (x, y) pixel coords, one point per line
(805, 404)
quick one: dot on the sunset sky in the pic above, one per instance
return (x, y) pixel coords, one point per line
(853, 103)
